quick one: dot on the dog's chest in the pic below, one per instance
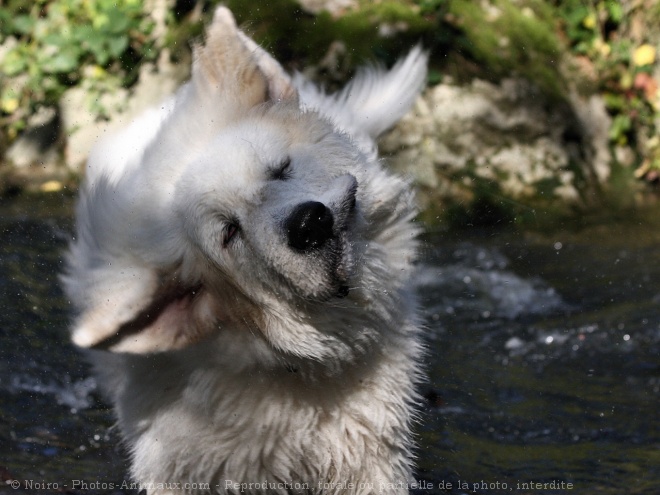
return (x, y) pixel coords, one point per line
(261, 425)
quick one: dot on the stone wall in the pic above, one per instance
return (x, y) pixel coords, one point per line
(507, 138)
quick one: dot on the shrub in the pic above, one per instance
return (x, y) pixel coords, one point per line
(50, 46)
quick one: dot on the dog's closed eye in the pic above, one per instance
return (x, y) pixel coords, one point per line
(282, 171)
(231, 229)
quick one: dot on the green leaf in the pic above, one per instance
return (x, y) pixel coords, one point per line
(82, 33)
(101, 56)
(615, 11)
(14, 63)
(577, 15)
(434, 77)
(24, 24)
(55, 39)
(116, 46)
(118, 22)
(66, 60)
(621, 124)
(95, 43)
(6, 23)
(614, 101)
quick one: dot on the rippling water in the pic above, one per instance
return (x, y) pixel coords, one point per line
(543, 360)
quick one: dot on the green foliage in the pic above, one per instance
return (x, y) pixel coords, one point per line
(430, 6)
(303, 39)
(587, 21)
(47, 46)
(511, 38)
(623, 73)
(52, 45)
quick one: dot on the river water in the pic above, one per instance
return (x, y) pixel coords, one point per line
(543, 362)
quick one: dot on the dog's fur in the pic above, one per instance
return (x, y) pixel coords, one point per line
(242, 273)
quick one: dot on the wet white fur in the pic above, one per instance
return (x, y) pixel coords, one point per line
(262, 375)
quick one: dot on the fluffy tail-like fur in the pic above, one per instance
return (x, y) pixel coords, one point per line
(374, 100)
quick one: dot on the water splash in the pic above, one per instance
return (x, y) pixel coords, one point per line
(475, 280)
(77, 395)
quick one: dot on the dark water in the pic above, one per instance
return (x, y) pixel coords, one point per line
(543, 361)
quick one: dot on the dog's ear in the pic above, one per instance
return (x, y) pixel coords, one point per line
(280, 85)
(230, 75)
(234, 68)
(143, 313)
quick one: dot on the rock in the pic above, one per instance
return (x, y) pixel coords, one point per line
(334, 7)
(38, 144)
(506, 138)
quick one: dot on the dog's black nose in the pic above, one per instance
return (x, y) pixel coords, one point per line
(309, 226)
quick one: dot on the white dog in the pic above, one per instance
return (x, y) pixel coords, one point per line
(242, 272)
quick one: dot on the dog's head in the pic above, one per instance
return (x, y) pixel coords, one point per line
(249, 203)
(272, 204)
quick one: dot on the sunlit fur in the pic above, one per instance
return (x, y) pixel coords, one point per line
(228, 355)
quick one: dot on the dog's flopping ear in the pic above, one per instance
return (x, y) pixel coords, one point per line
(144, 314)
(125, 303)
